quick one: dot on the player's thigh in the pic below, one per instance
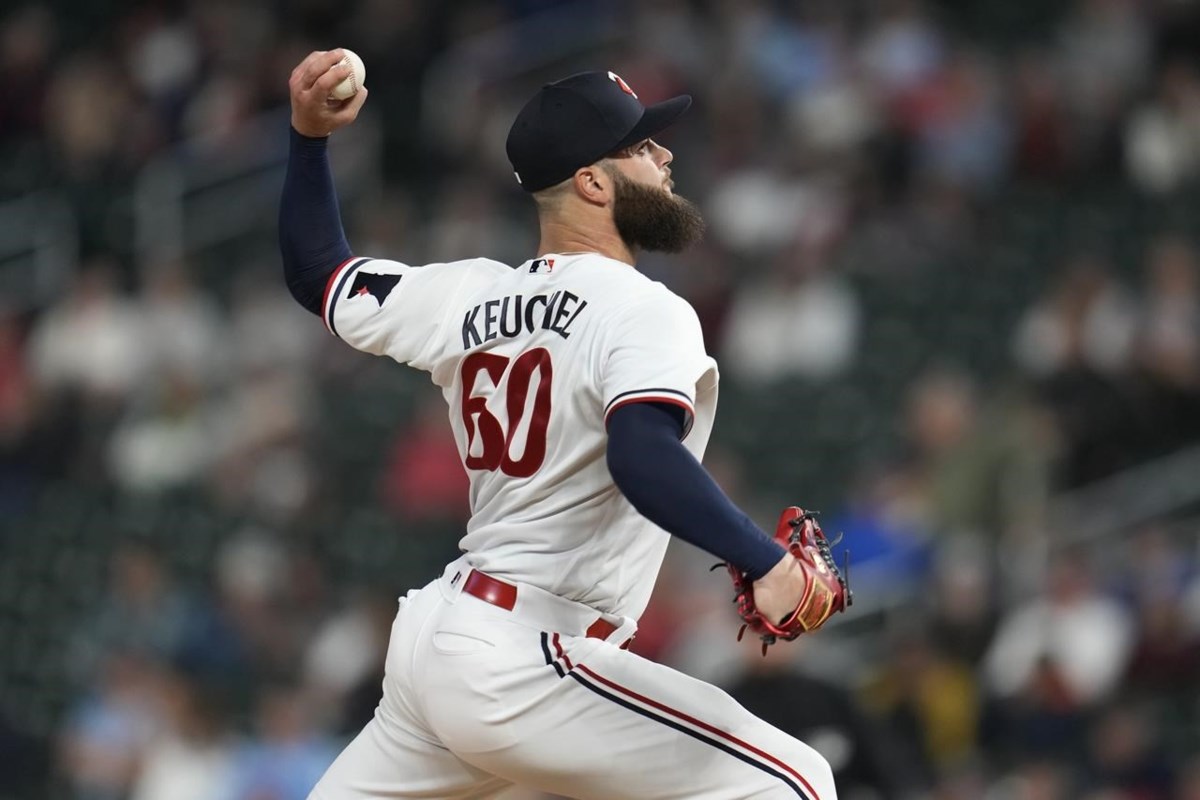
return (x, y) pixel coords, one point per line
(396, 755)
(599, 722)
(387, 762)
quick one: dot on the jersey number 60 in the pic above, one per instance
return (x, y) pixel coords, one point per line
(496, 443)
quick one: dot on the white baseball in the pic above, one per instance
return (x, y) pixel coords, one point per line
(349, 87)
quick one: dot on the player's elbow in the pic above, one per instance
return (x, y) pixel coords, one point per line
(307, 290)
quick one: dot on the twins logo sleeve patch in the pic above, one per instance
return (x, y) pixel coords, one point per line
(350, 283)
(373, 285)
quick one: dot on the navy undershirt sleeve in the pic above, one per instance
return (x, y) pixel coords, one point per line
(311, 239)
(669, 487)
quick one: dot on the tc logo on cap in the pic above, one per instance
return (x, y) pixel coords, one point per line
(617, 79)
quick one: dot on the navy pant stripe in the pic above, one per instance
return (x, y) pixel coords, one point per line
(670, 723)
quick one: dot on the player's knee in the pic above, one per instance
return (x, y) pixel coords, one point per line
(815, 770)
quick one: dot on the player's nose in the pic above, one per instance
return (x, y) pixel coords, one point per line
(662, 155)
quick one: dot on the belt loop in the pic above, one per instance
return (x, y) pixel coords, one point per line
(454, 577)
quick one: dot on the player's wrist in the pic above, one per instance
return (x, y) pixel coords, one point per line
(304, 135)
(781, 573)
(767, 555)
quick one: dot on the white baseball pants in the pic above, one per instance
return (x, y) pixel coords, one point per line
(477, 698)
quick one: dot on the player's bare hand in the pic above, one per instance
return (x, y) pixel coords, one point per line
(313, 112)
(777, 593)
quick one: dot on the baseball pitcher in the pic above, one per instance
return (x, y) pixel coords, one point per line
(581, 399)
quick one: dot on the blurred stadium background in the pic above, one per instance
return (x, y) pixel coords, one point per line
(951, 278)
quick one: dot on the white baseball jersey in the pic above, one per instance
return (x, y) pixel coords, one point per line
(532, 361)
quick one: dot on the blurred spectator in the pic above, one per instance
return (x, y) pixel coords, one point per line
(163, 58)
(963, 782)
(1162, 140)
(259, 434)
(1168, 346)
(344, 659)
(89, 114)
(798, 50)
(143, 614)
(668, 30)
(94, 340)
(1040, 779)
(288, 755)
(27, 39)
(190, 759)
(166, 438)
(1085, 320)
(1105, 52)
(737, 118)
(802, 321)
(1073, 641)
(250, 575)
(221, 106)
(1169, 338)
(1078, 343)
(184, 328)
(270, 600)
(425, 479)
(979, 472)
(942, 413)
(109, 730)
(929, 701)
(961, 136)
(1166, 655)
(1155, 565)
(468, 224)
(16, 385)
(766, 208)
(268, 330)
(1041, 147)
(834, 122)
(240, 635)
(94, 134)
(1124, 756)
(18, 418)
(903, 48)
(884, 529)
(388, 229)
(963, 607)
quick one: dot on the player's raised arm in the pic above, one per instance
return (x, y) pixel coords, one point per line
(311, 239)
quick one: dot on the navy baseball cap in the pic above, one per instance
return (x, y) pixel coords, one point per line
(577, 121)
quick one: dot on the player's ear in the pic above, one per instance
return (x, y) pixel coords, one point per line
(594, 185)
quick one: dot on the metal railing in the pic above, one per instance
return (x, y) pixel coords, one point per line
(204, 194)
(199, 195)
(1138, 495)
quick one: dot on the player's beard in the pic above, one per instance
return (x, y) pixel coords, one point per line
(651, 218)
